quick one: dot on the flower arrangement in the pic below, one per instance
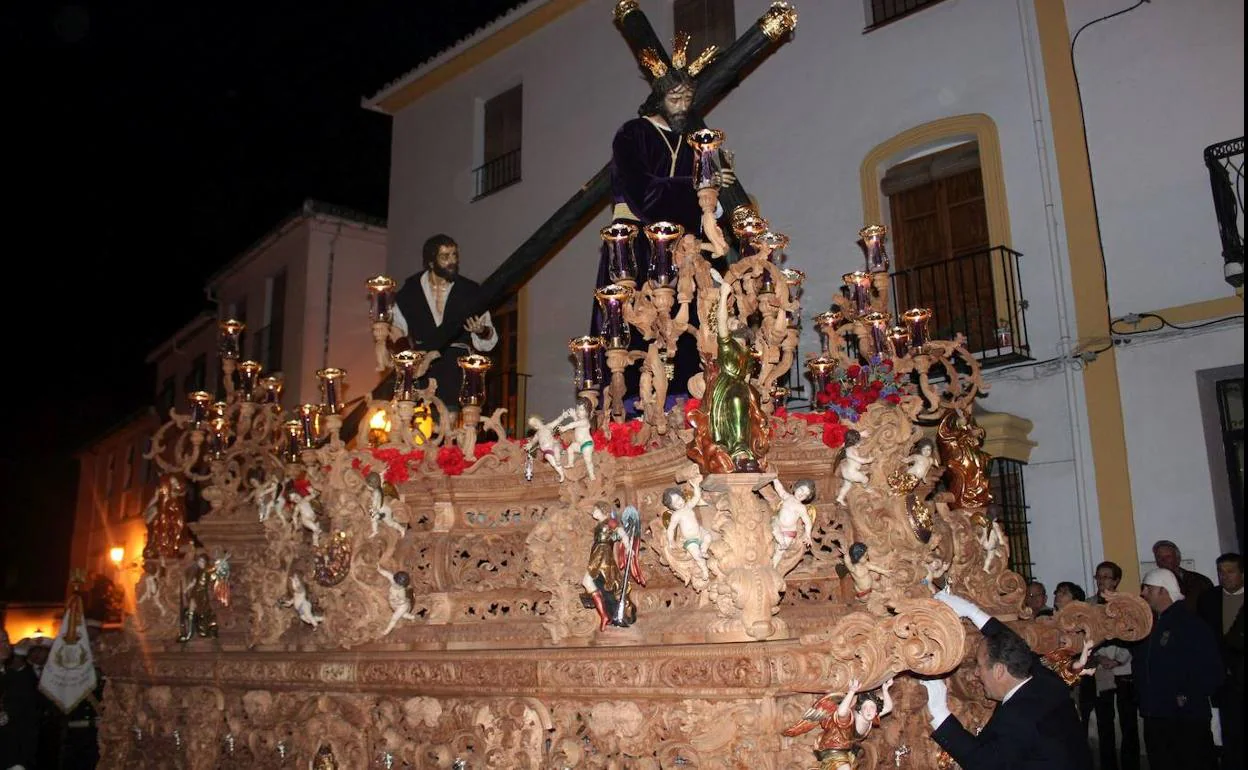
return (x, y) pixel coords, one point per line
(852, 389)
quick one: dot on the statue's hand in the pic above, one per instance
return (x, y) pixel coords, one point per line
(714, 235)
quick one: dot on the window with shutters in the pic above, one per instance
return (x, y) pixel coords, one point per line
(881, 12)
(1005, 481)
(708, 22)
(507, 386)
(196, 378)
(268, 339)
(501, 135)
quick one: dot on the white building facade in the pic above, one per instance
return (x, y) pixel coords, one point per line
(1123, 453)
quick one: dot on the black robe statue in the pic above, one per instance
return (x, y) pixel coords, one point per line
(412, 303)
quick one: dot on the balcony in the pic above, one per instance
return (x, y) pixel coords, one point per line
(1225, 161)
(977, 294)
(496, 174)
(881, 12)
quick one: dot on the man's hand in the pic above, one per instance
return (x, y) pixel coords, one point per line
(476, 325)
(963, 607)
(937, 699)
(725, 177)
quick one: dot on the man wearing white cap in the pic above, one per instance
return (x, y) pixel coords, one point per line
(1177, 668)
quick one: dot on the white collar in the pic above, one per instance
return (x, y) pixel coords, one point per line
(1015, 689)
(430, 297)
(1233, 593)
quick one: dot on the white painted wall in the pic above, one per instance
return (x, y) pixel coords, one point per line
(1170, 467)
(800, 125)
(358, 253)
(1159, 85)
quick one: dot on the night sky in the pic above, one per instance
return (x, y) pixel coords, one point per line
(153, 143)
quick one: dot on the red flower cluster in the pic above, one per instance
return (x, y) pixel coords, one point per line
(396, 462)
(855, 388)
(833, 431)
(303, 486)
(452, 461)
(618, 439)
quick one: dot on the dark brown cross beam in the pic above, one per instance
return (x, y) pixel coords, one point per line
(711, 84)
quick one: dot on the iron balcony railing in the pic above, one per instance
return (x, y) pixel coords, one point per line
(882, 12)
(1225, 162)
(979, 295)
(496, 174)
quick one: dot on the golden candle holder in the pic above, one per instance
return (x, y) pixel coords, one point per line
(705, 143)
(292, 441)
(899, 341)
(331, 379)
(820, 370)
(612, 299)
(587, 366)
(877, 326)
(271, 391)
(663, 237)
(381, 311)
(917, 321)
(860, 285)
(200, 402)
(618, 242)
(826, 323)
(873, 246)
(748, 226)
(307, 415)
(248, 379)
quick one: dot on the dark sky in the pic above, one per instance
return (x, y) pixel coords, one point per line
(153, 143)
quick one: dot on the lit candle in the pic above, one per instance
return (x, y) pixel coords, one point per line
(859, 285)
(705, 143)
(200, 401)
(248, 375)
(917, 321)
(272, 386)
(879, 330)
(228, 339)
(332, 380)
(378, 428)
(873, 244)
(293, 431)
(617, 245)
(307, 414)
(218, 429)
(775, 243)
(405, 365)
(826, 324)
(381, 298)
(611, 301)
(663, 237)
(747, 227)
(587, 361)
(900, 340)
(821, 371)
(472, 389)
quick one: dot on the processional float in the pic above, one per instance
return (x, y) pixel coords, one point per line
(663, 583)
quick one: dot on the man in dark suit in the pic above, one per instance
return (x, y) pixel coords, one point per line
(437, 295)
(1035, 724)
(1223, 611)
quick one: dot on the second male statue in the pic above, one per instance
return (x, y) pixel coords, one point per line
(439, 294)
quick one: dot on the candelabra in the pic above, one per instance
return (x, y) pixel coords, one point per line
(381, 311)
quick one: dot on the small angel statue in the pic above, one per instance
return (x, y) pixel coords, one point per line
(695, 538)
(1067, 665)
(920, 463)
(305, 514)
(992, 539)
(844, 727)
(860, 569)
(544, 441)
(300, 603)
(850, 465)
(401, 596)
(792, 514)
(379, 510)
(267, 497)
(152, 571)
(582, 439)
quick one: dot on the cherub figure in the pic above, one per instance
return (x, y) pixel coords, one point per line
(152, 571)
(379, 510)
(582, 438)
(695, 538)
(850, 465)
(402, 597)
(300, 603)
(792, 512)
(544, 441)
(1063, 662)
(934, 566)
(920, 463)
(844, 728)
(305, 511)
(992, 539)
(860, 569)
(267, 497)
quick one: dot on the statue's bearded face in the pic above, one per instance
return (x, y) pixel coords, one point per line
(676, 104)
(446, 263)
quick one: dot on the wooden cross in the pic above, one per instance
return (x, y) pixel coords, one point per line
(713, 82)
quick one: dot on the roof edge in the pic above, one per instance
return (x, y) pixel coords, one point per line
(493, 38)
